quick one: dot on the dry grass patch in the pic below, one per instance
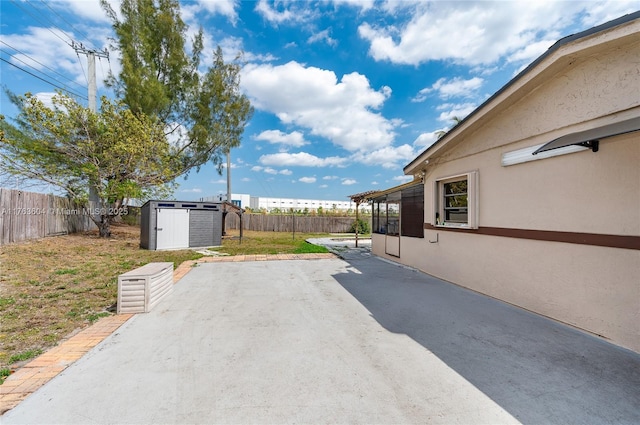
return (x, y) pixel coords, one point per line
(52, 287)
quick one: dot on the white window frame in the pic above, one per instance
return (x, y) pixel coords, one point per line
(472, 200)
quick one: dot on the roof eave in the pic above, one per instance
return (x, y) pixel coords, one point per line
(398, 188)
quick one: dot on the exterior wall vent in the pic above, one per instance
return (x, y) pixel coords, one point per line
(141, 289)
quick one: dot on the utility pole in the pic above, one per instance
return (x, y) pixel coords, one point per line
(229, 175)
(94, 199)
(224, 215)
(91, 64)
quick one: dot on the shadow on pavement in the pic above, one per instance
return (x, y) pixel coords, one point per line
(539, 370)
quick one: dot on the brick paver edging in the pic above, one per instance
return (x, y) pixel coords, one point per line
(39, 371)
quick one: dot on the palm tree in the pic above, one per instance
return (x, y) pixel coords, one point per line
(456, 121)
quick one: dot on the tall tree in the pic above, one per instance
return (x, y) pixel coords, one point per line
(173, 116)
(116, 152)
(203, 110)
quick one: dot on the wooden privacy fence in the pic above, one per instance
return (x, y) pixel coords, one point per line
(286, 223)
(28, 215)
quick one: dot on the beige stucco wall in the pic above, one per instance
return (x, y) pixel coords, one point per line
(583, 192)
(593, 288)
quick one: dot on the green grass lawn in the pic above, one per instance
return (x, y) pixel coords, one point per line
(269, 243)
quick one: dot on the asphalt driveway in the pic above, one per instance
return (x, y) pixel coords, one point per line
(338, 341)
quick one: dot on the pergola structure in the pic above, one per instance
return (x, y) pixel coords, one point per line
(358, 198)
(228, 207)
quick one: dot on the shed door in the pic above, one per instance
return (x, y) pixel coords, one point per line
(172, 228)
(201, 228)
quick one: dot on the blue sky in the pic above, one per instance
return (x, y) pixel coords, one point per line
(346, 92)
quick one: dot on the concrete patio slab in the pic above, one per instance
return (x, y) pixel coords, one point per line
(335, 341)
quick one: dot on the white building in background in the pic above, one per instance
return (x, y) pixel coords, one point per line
(241, 200)
(257, 203)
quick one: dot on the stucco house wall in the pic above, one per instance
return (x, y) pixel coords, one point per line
(591, 82)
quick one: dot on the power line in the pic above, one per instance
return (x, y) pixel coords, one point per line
(43, 23)
(91, 53)
(36, 70)
(42, 79)
(41, 64)
(64, 20)
(82, 67)
(101, 67)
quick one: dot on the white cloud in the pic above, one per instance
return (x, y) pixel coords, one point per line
(231, 48)
(46, 98)
(233, 165)
(323, 36)
(349, 182)
(307, 179)
(329, 177)
(341, 111)
(218, 7)
(301, 159)
(454, 87)
(175, 134)
(453, 111)
(470, 33)
(531, 51)
(194, 190)
(388, 157)
(364, 5)
(269, 170)
(284, 12)
(604, 11)
(426, 139)
(272, 15)
(294, 139)
(87, 9)
(402, 179)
